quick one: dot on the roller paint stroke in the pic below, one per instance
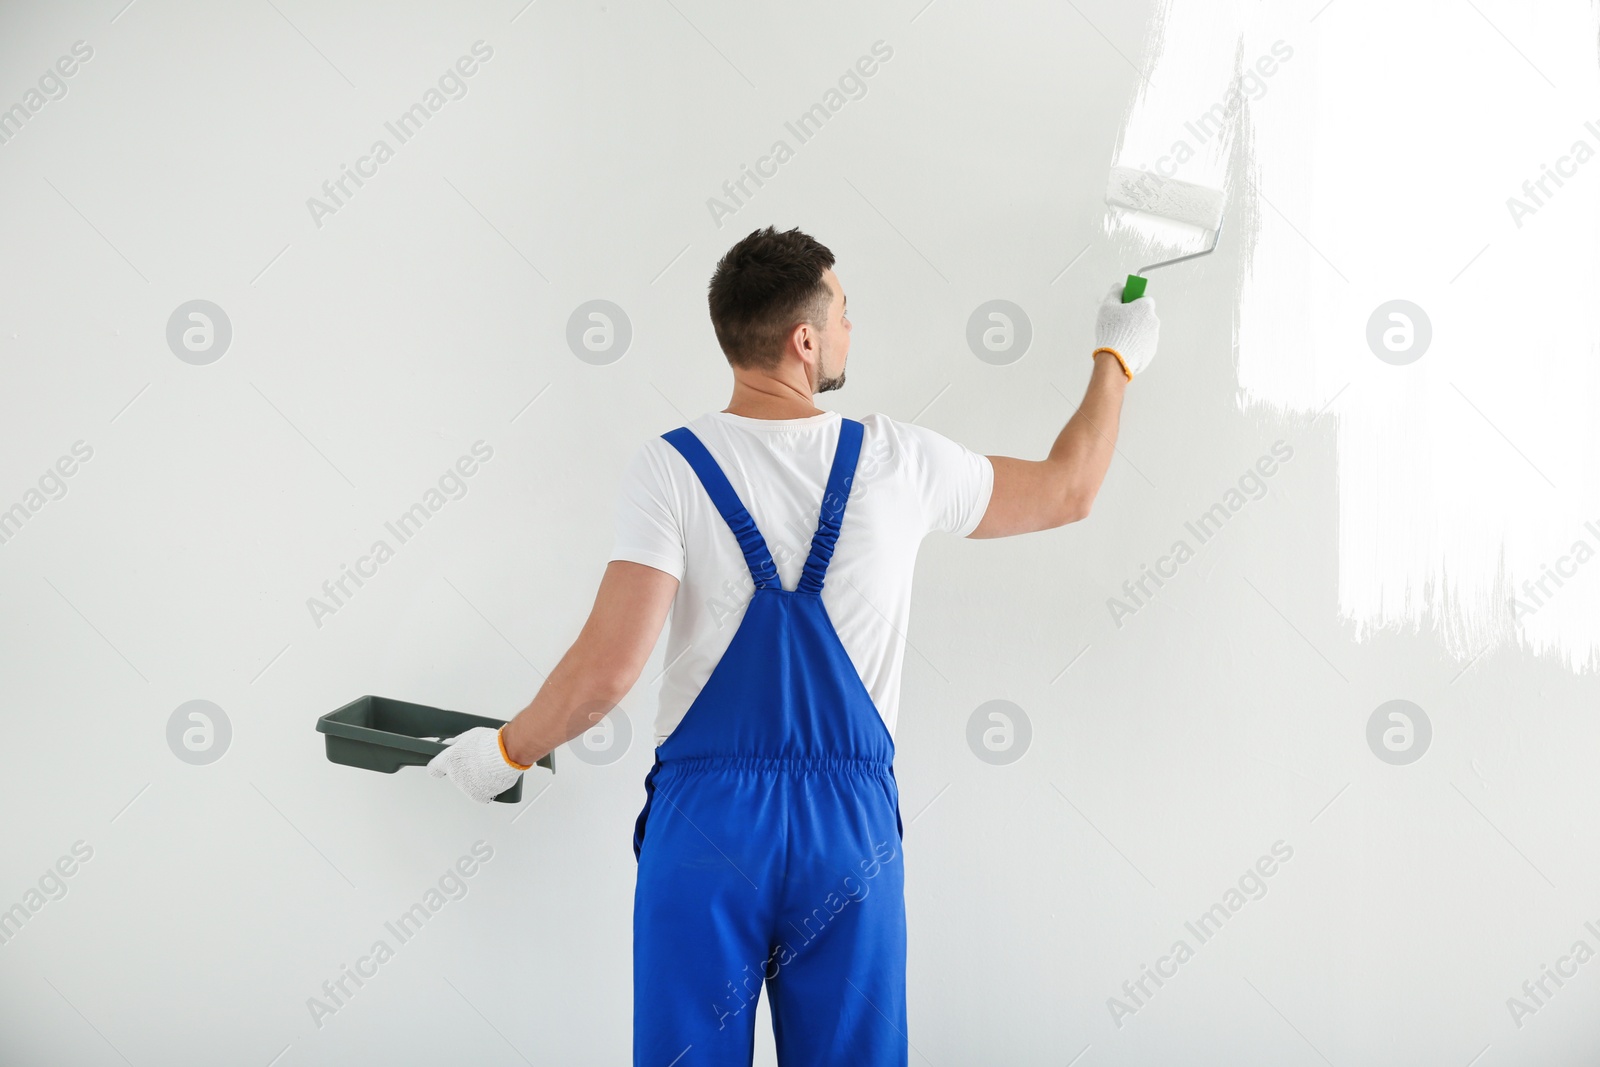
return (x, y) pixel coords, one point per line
(1462, 473)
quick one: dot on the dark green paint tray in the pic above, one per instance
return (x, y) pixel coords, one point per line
(380, 734)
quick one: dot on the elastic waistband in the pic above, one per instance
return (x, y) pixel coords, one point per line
(812, 765)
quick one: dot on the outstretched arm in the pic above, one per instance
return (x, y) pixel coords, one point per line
(601, 666)
(1031, 495)
(597, 671)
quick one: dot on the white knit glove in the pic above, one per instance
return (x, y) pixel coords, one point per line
(477, 764)
(1127, 331)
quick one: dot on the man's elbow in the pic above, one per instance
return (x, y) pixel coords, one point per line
(598, 674)
(1075, 508)
(612, 682)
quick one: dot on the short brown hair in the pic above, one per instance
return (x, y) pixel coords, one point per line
(764, 287)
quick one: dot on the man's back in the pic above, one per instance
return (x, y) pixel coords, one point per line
(909, 482)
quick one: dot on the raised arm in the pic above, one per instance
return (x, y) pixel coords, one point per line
(1031, 495)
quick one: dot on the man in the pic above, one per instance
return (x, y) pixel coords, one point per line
(783, 538)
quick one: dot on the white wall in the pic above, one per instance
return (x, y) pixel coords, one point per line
(1168, 754)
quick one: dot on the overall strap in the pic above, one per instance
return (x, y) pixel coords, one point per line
(834, 499)
(756, 556)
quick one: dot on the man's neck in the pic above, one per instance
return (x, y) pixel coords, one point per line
(781, 403)
(774, 411)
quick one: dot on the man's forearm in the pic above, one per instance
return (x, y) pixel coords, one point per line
(1084, 448)
(571, 700)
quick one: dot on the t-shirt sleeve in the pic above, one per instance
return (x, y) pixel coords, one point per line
(953, 481)
(647, 528)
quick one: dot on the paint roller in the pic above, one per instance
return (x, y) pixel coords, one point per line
(1193, 207)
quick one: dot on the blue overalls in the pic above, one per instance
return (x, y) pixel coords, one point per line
(769, 843)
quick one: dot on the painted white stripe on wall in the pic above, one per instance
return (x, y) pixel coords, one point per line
(1382, 157)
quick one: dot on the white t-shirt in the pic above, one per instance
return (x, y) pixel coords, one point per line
(909, 482)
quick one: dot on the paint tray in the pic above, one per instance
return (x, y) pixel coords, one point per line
(380, 734)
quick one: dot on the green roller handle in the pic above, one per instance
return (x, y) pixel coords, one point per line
(1134, 289)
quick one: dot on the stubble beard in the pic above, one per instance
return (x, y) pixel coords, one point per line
(827, 383)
